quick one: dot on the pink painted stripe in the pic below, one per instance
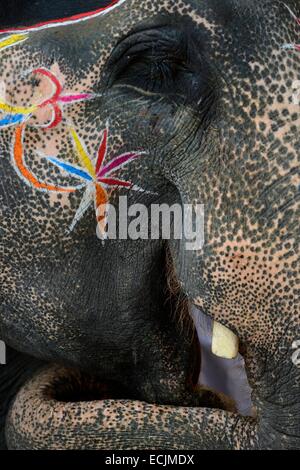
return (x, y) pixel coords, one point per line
(118, 162)
(72, 98)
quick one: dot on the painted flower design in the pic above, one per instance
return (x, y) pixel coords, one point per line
(13, 115)
(292, 46)
(97, 176)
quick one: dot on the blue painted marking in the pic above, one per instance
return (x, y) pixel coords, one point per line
(71, 169)
(11, 119)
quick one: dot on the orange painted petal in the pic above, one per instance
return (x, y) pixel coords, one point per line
(25, 172)
(101, 195)
(101, 200)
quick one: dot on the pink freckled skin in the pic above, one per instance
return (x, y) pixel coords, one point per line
(43, 116)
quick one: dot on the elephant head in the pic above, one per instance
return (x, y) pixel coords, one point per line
(181, 102)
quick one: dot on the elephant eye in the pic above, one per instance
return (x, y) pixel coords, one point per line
(162, 74)
(153, 60)
(167, 61)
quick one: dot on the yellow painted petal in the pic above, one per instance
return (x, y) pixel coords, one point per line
(8, 108)
(82, 154)
(12, 40)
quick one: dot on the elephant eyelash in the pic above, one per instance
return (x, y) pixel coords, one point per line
(165, 71)
(162, 73)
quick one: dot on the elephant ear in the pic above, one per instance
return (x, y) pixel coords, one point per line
(18, 368)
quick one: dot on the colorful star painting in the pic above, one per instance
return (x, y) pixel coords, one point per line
(17, 114)
(96, 177)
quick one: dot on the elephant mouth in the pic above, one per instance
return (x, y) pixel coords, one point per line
(63, 386)
(59, 407)
(72, 386)
(62, 408)
(60, 386)
(62, 405)
(73, 403)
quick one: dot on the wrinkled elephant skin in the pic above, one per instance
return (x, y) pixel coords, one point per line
(165, 101)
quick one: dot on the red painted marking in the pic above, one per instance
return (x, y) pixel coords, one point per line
(102, 152)
(77, 17)
(116, 182)
(58, 116)
(54, 80)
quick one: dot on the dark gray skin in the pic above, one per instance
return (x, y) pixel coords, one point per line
(219, 128)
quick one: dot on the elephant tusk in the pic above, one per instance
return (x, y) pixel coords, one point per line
(224, 342)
